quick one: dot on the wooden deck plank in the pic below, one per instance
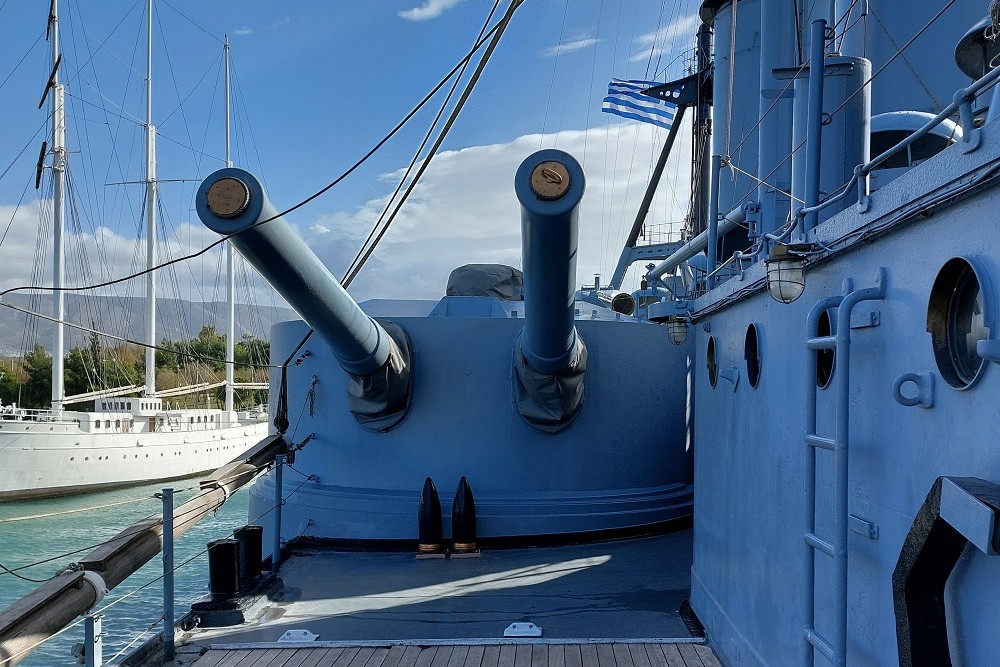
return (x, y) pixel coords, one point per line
(588, 654)
(442, 656)
(475, 656)
(707, 656)
(690, 655)
(522, 655)
(378, 657)
(362, 658)
(269, 658)
(211, 658)
(540, 655)
(507, 652)
(409, 657)
(573, 657)
(606, 656)
(623, 657)
(458, 656)
(233, 658)
(342, 660)
(639, 656)
(394, 655)
(491, 656)
(304, 656)
(425, 657)
(557, 656)
(670, 654)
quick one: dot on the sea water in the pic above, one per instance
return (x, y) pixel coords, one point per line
(75, 526)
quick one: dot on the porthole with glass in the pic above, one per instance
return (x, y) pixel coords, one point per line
(751, 353)
(959, 315)
(713, 366)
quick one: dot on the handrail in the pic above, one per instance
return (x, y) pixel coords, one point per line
(962, 102)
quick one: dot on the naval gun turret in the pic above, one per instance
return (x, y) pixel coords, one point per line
(376, 357)
(489, 386)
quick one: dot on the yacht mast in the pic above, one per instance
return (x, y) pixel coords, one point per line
(230, 270)
(58, 213)
(150, 389)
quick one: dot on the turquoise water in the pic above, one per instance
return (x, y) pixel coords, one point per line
(28, 542)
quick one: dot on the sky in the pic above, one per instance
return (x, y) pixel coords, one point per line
(316, 85)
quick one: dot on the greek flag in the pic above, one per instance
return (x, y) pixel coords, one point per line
(625, 99)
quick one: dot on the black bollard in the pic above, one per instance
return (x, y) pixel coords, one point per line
(463, 520)
(223, 575)
(431, 536)
(249, 554)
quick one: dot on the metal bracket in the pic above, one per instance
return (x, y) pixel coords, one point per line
(862, 527)
(522, 629)
(865, 319)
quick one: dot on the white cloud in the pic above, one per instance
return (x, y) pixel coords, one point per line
(243, 31)
(678, 35)
(431, 9)
(464, 210)
(569, 47)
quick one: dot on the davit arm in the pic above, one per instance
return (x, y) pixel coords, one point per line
(375, 355)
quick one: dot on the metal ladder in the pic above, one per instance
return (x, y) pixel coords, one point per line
(835, 648)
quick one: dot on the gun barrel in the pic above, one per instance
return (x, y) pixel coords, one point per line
(549, 185)
(232, 202)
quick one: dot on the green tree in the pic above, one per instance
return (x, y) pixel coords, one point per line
(9, 387)
(37, 390)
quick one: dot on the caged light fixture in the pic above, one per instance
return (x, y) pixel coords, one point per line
(786, 279)
(677, 329)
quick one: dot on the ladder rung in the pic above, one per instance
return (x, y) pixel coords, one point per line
(819, 643)
(818, 543)
(814, 440)
(822, 343)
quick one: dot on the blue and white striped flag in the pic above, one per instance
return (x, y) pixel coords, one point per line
(625, 99)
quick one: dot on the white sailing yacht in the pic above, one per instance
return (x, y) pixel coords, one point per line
(127, 438)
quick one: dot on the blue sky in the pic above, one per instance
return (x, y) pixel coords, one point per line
(317, 84)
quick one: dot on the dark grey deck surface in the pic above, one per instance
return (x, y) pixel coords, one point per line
(627, 589)
(507, 655)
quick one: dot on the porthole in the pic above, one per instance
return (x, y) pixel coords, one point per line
(959, 315)
(713, 366)
(824, 358)
(751, 353)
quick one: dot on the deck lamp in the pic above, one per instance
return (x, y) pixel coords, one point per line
(786, 278)
(677, 329)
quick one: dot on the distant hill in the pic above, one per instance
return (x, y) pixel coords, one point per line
(125, 316)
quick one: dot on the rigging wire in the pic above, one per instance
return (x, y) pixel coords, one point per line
(459, 105)
(385, 139)
(416, 154)
(26, 54)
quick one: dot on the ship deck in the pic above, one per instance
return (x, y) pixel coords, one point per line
(521, 654)
(603, 604)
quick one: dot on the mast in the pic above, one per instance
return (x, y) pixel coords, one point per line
(58, 213)
(230, 270)
(150, 388)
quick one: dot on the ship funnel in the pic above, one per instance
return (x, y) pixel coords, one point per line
(550, 357)
(375, 355)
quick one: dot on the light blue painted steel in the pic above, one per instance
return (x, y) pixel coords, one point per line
(609, 470)
(713, 220)
(778, 39)
(549, 235)
(837, 550)
(168, 574)
(278, 508)
(290, 266)
(970, 516)
(814, 129)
